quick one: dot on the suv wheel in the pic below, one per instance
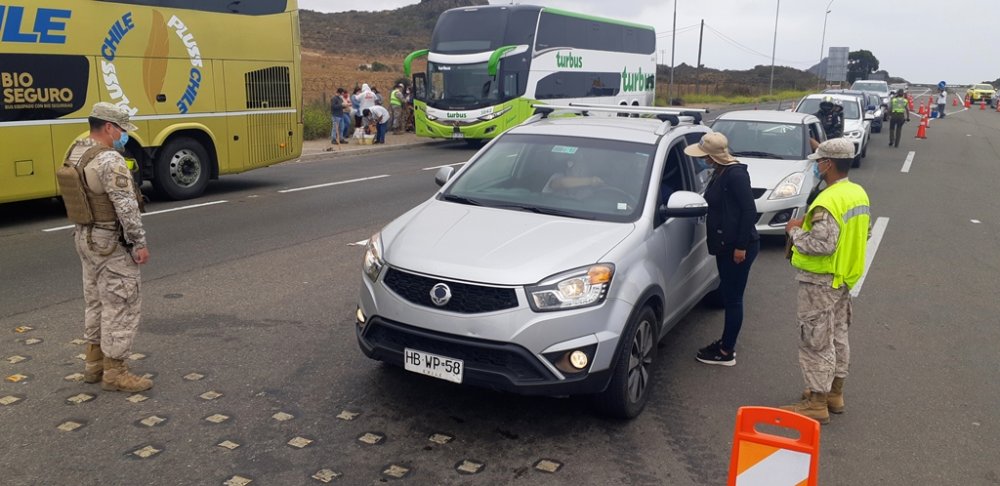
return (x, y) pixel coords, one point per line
(631, 380)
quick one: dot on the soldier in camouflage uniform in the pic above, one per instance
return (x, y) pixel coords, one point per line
(101, 198)
(829, 253)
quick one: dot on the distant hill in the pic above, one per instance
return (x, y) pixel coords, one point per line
(390, 32)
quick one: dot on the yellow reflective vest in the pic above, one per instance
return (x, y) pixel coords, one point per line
(849, 205)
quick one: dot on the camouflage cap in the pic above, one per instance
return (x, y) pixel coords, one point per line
(835, 148)
(114, 114)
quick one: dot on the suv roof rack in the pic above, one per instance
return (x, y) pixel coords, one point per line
(672, 115)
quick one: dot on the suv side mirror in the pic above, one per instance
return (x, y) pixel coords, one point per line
(684, 204)
(443, 176)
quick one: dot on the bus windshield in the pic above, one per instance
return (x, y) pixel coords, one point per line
(461, 86)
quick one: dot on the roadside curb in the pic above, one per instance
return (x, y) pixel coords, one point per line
(333, 154)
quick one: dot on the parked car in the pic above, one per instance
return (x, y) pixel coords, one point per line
(857, 122)
(899, 86)
(774, 145)
(870, 102)
(981, 92)
(551, 264)
(880, 88)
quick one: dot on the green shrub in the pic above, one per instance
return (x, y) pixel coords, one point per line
(379, 67)
(317, 121)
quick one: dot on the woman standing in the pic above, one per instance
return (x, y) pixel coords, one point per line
(732, 238)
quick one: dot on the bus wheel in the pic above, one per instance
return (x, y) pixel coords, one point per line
(182, 169)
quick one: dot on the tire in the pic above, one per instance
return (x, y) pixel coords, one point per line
(856, 163)
(864, 151)
(182, 169)
(632, 375)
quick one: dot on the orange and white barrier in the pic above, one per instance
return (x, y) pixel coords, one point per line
(761, 459)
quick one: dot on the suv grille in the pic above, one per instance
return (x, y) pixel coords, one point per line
(465, 298)
(758, 192)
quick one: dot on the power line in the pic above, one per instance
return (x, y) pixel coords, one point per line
(749, 49)
(680, 30)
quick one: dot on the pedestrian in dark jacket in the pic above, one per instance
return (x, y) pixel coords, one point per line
(732, 238)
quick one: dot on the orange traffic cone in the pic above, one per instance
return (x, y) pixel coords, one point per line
(982, 105)
(954, 102)
(922, 130)
(910, 99)
(921, 110)
(998, 106)
(968, 102)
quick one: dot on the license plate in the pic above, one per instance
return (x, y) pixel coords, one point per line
(432, 365)
(457, 135)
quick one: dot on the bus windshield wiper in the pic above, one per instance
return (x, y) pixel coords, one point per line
(461, 200)
(761, 155)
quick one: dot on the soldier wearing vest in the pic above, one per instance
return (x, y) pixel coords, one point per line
(900, 114)
(396, 103)
(828, 249)
(104, 202)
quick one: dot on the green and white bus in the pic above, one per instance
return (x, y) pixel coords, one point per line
(488, 65)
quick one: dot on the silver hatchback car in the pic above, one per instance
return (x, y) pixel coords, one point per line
(551, 264)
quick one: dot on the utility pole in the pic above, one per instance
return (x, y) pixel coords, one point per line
(774, 47)
(673, 46)
(697, 80)
(822, 45)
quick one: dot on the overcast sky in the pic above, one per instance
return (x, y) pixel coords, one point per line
(938, 41)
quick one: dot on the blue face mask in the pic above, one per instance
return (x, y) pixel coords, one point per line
(120, 143)
(816, 170)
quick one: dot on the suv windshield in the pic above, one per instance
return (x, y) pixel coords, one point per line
(573, 177)
(875, 86)
(811, 106)
(754, 139)
(986, 87)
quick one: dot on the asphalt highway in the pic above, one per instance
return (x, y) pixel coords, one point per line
(251, 294)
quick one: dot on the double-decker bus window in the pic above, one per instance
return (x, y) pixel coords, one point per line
(245, 7)
(470, 30)
(578, 85)
(562, 31)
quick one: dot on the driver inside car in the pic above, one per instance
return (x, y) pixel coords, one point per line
(575, 179)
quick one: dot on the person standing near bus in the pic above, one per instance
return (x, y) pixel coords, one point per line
(337, 116)
(102, 199)
(396, 103)
(379, 116)
(356, 107)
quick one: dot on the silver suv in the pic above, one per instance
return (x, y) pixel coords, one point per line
(552, 263)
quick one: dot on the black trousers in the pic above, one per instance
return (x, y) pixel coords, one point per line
(896, 129)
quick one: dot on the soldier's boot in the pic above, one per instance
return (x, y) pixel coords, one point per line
(117, 378)
(813, 407)
(835, 399)
(93, 368)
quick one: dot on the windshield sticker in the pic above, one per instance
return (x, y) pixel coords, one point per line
(623, 206)
(562, 149)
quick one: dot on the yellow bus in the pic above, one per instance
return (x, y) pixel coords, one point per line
(214, 86)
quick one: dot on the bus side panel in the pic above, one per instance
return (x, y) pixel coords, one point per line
(27, 170)
(264, 90)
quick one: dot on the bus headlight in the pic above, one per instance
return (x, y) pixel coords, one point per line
(577, 288)
(431, 117)
(791, 186)
(494, 115)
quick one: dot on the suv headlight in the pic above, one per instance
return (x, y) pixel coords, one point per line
(791, 186)
(494, 115)
(373, 262)
(578, 288)
(853, 134)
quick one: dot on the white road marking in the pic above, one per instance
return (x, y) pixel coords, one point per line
(153, 213)
(975, 221)
(440, 166)
(878, 231)
(908, 162)
(330, 184)
(359, 243)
